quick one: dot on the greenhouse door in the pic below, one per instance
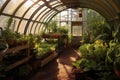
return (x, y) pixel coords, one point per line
(76, 28)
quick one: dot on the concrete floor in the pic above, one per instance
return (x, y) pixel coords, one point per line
(58, 69)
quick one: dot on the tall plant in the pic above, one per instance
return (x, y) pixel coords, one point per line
(7, 33)
(53, 26)
(98, 28)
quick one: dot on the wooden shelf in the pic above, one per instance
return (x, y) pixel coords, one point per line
(13, 50)
(17, 48)
(18, 63)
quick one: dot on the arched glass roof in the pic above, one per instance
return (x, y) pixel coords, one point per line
(30, 16)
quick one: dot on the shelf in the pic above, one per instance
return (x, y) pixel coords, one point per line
(18, 63)
(17, 48)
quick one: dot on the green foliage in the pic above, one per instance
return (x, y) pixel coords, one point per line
(10, 20)
(94, 55)
(7, 33)
(85, 38)
(53, 26)
(98, 28)
(70, 37)
(85, 64)
(63, 30)
(100, 56)
(33, 39)
(117, 63)
(43, 49)
(101, 31)
(116, 35)
(112, 51)
(107, 76)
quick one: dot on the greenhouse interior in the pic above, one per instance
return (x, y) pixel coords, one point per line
(60, 40)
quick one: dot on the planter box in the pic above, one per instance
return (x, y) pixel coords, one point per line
(48, 59)
(18, 63)
(42, 62)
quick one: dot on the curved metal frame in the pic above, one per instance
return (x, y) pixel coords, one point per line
(42, 16)
(33, 14)
(47, 13)
(109, 9)
(26, 13)
(3, 7)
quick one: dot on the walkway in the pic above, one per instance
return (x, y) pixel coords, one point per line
(58, 69)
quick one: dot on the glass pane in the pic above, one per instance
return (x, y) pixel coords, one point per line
(42, 27)
(2, 2)
(28, 29)
(40, 3)
(24, 7)
(3, 21)
(47, 0)
(52, 16)
(22, 26)
(30, 12)
(60, 8)
(12, 6)
(64, 16)
(77, 30)
(53, 2)
(75, 16)
(33, 28)
(47, 15)
(54, 5)
(69, 15)
(37, 28)
(16, 23)
(39, 12)
(43, 13)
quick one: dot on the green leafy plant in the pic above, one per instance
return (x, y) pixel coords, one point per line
(63, 30)
(7, 33)
(116, 35)
(43, 49)
(117, 63)
(52, 26)
(93, 55)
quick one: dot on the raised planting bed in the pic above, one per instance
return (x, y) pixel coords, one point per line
(43, 61)
(18, 63)
(17, 48)
(48, 59)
